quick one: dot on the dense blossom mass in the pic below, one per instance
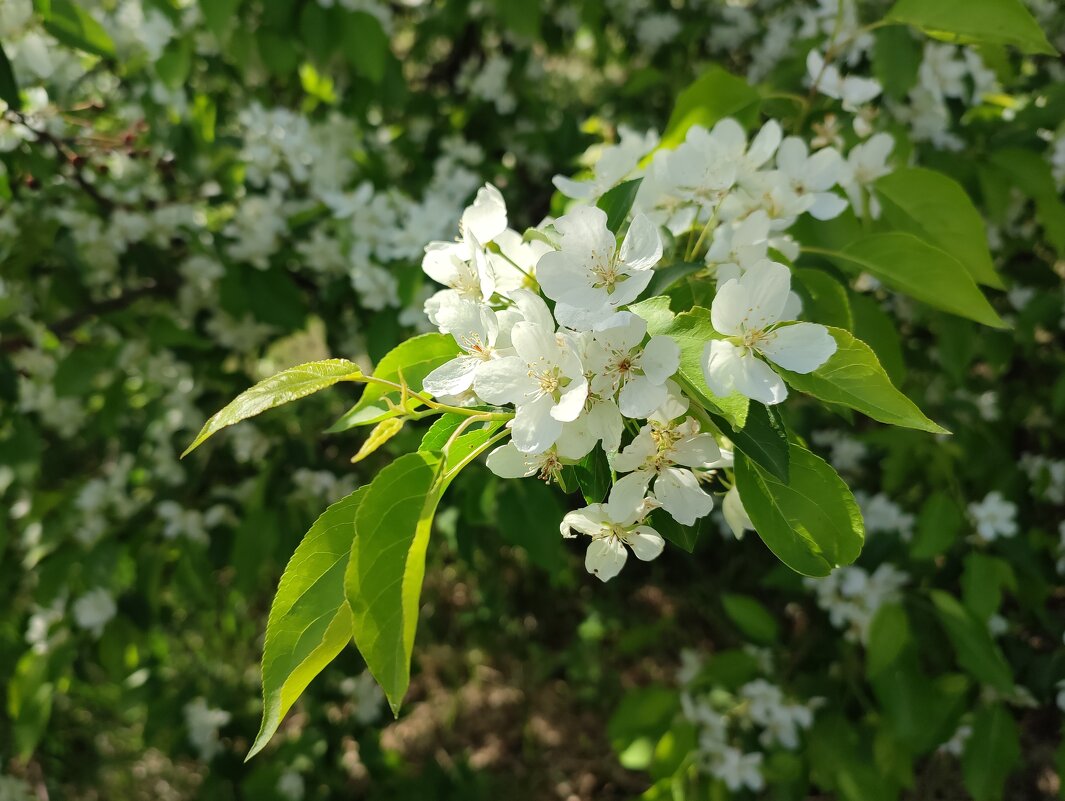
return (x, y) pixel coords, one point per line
(549, 324)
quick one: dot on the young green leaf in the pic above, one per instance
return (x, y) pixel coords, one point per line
(1005, 22)
(911, 266)
(972, 642)
(714, 96)
(618, 202)
(812, 523)
(937, 209)
(991, 753)
(382, 433)
(854, 378)
(74, 26)
(383, 582)
(410, 361)
(288, 385)
(763, 439)
(309, 622)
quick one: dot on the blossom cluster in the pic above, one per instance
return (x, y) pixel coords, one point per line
(547, 326)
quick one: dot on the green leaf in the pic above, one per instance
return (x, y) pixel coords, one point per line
(982, 580)
(889, 633)
(593, 476)
(876, 328)
(938, 525)
(288, 385)
(937, 209)
(365, 45)
(30, 692)
(991, 753)
(412, 360)
(617, 203)
(1004, 22)
(383, 582)
(174, 65)
(521, 18)
(909, 265)
(972, 642)
(656, 312)
(824, 298)
(639, 722)
(310, 622)
(854, 378)
(8, 85)
(896, 60)
(752, 618)
(465, 444)
(666, 278)
(218, 14)
(382, 433)
(536, 533)
(683, 537)
(812, 523)
(763, 439)
(75, 27)
(714, 96)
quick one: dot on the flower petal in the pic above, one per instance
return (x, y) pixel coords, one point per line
(605, 558)
(507, 461)
(640, 397)
(757, 381)
(642, 248)
(680, 494)
(767, 284)
(502, 381)
(646, 543)
(453, 377)
(660, 359)
(534, 429)
(801, 348)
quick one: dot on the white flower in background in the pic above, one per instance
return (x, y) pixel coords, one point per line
(656, 30)
(203, 724)
(852, 596)
(881, 514)
(476, 329)
(955, 746)
(994, 517)
(367, 695)
(666, 452)
(781, 719)
(613, 526)
(737, 769)
(290, 784)
(544, 380)
(615, 163)
(865, 163)
(811, 177)
(747, 310)
(589, 277)
(514, 265)
(621, 364)
(739, 245)
(852, 90)
(94, 610)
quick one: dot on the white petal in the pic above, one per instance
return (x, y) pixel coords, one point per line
(767, 284)
(637, 452)
(533, 342)
(487, 217)
(584, 230)
(590, 520)
(577, 439)
(721, 364)
(827, 206)
(660, 359)
(605, 423)
(801, 348)
(680, 495)
(622, 331)
(503, 381)
(764, 144)
(581, 319)
(507, 461)
(571, 403)
(757, 381)
(640, 397)
(534, 429)
(642, 247)
(696, 451)
(453, 377)
(729, 308)
(578, 190)
(735, 514)
(625, 503)
(646, 543)
(533, 308)
(605, 558)
(563, 276)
